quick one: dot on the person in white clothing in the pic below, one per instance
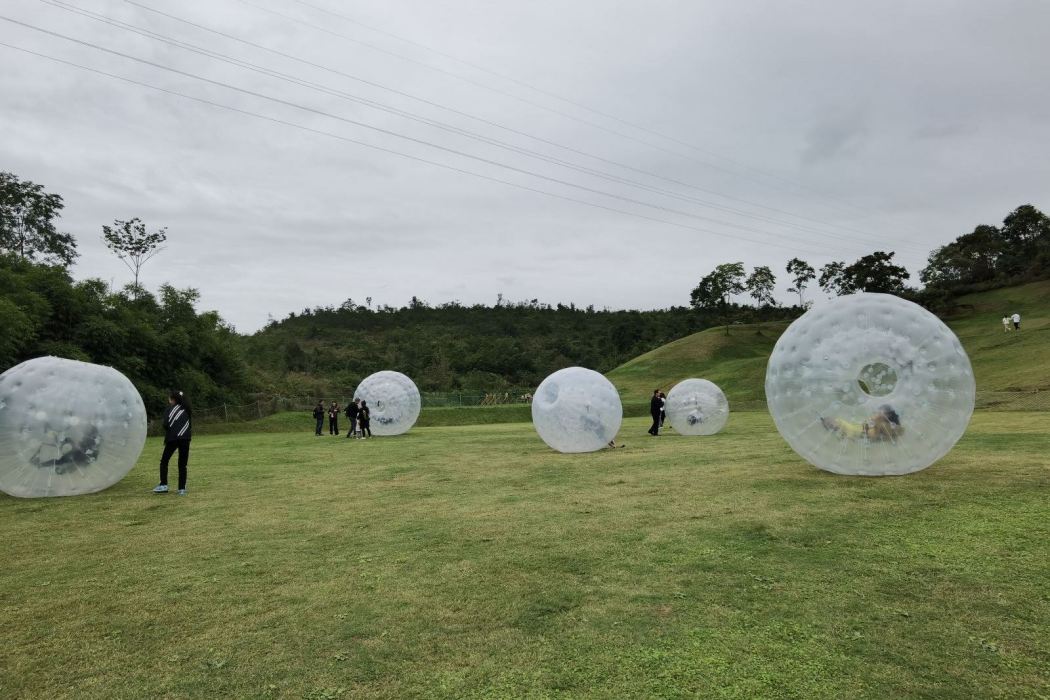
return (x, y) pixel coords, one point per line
(1006, 324)
(1017, 322)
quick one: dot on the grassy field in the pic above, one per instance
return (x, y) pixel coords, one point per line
(472, 562)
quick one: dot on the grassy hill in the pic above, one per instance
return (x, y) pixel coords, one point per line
(737, 361)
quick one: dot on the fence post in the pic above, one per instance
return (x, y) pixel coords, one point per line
(225, 414)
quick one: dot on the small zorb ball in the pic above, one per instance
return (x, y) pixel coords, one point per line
(577, 410)
(870, 384)
(393, 402)
(697, 407)
(67, 428)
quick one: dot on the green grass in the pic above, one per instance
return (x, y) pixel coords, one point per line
(472, 562)
(737, 362)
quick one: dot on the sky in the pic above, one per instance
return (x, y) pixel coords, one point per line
(303, 152)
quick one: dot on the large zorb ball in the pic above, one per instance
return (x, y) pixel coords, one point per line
(870, 384)
(67, 428)
(577, 410)
(697, 407)
(393, 402)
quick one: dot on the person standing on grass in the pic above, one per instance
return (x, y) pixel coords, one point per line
(364, 418)
(655, 406)
(319, 417)
(177, 436)
(1017, 322)
(333, 418)
(352, 411)
(1006, 324)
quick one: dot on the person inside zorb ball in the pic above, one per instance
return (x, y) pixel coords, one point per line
(67, 428)
(870, 384)
(697, 407)
(577, 410)
(393, 401)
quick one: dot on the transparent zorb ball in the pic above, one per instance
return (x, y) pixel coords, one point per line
(67, 428)
(870, 384)
(577, 410)
(393, 402)
(697, 407)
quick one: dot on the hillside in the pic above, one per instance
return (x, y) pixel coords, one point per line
(737, 361)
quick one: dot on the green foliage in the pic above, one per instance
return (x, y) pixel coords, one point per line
(991, 256)
(716, 287)
(158, 343)
(27, 223)
(760, 284)
(453, 347)
(871, 273)
(802, 273)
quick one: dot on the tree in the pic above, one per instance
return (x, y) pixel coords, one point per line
(876, 273)
(27, 223)
(714, 289)
(760, 285)
(802, 274)
(970, 258)
(133, 244)
(1025, 234)
(832, 279)
(871, 273)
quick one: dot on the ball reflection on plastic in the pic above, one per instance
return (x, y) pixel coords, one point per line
(67, 428)
(870, 384)
(697, 407)
(393, 402)
(577, 410)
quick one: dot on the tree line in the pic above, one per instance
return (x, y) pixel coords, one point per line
(161, 341)
(990, 256)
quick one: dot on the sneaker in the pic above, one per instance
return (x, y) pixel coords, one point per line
(160, 488)
(182, 492)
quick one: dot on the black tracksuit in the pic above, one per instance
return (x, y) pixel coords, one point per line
(333, 420)
(655, 406)
(177, 434)
(351, 414)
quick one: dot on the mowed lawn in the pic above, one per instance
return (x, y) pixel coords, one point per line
(473, 562)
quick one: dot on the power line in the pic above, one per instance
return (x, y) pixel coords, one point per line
(388, 132)
(391, 151)
(548, 93)
(512, 130)
(446, 127)
(505, 93)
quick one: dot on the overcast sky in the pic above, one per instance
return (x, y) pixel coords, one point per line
(704, 132)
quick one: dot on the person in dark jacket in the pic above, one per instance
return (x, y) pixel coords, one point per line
(352, 411)
(319, 417)
(365, 419)
(333, 418)
(177, 434)
(656, 406)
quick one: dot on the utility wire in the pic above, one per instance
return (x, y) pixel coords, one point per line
(388, 132)
(547, 93)
(446, 127)
(497, 125)
(401, 154)
(510, 95)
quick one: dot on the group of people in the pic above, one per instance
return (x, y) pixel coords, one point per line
(1011, 323)
(357, 412)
